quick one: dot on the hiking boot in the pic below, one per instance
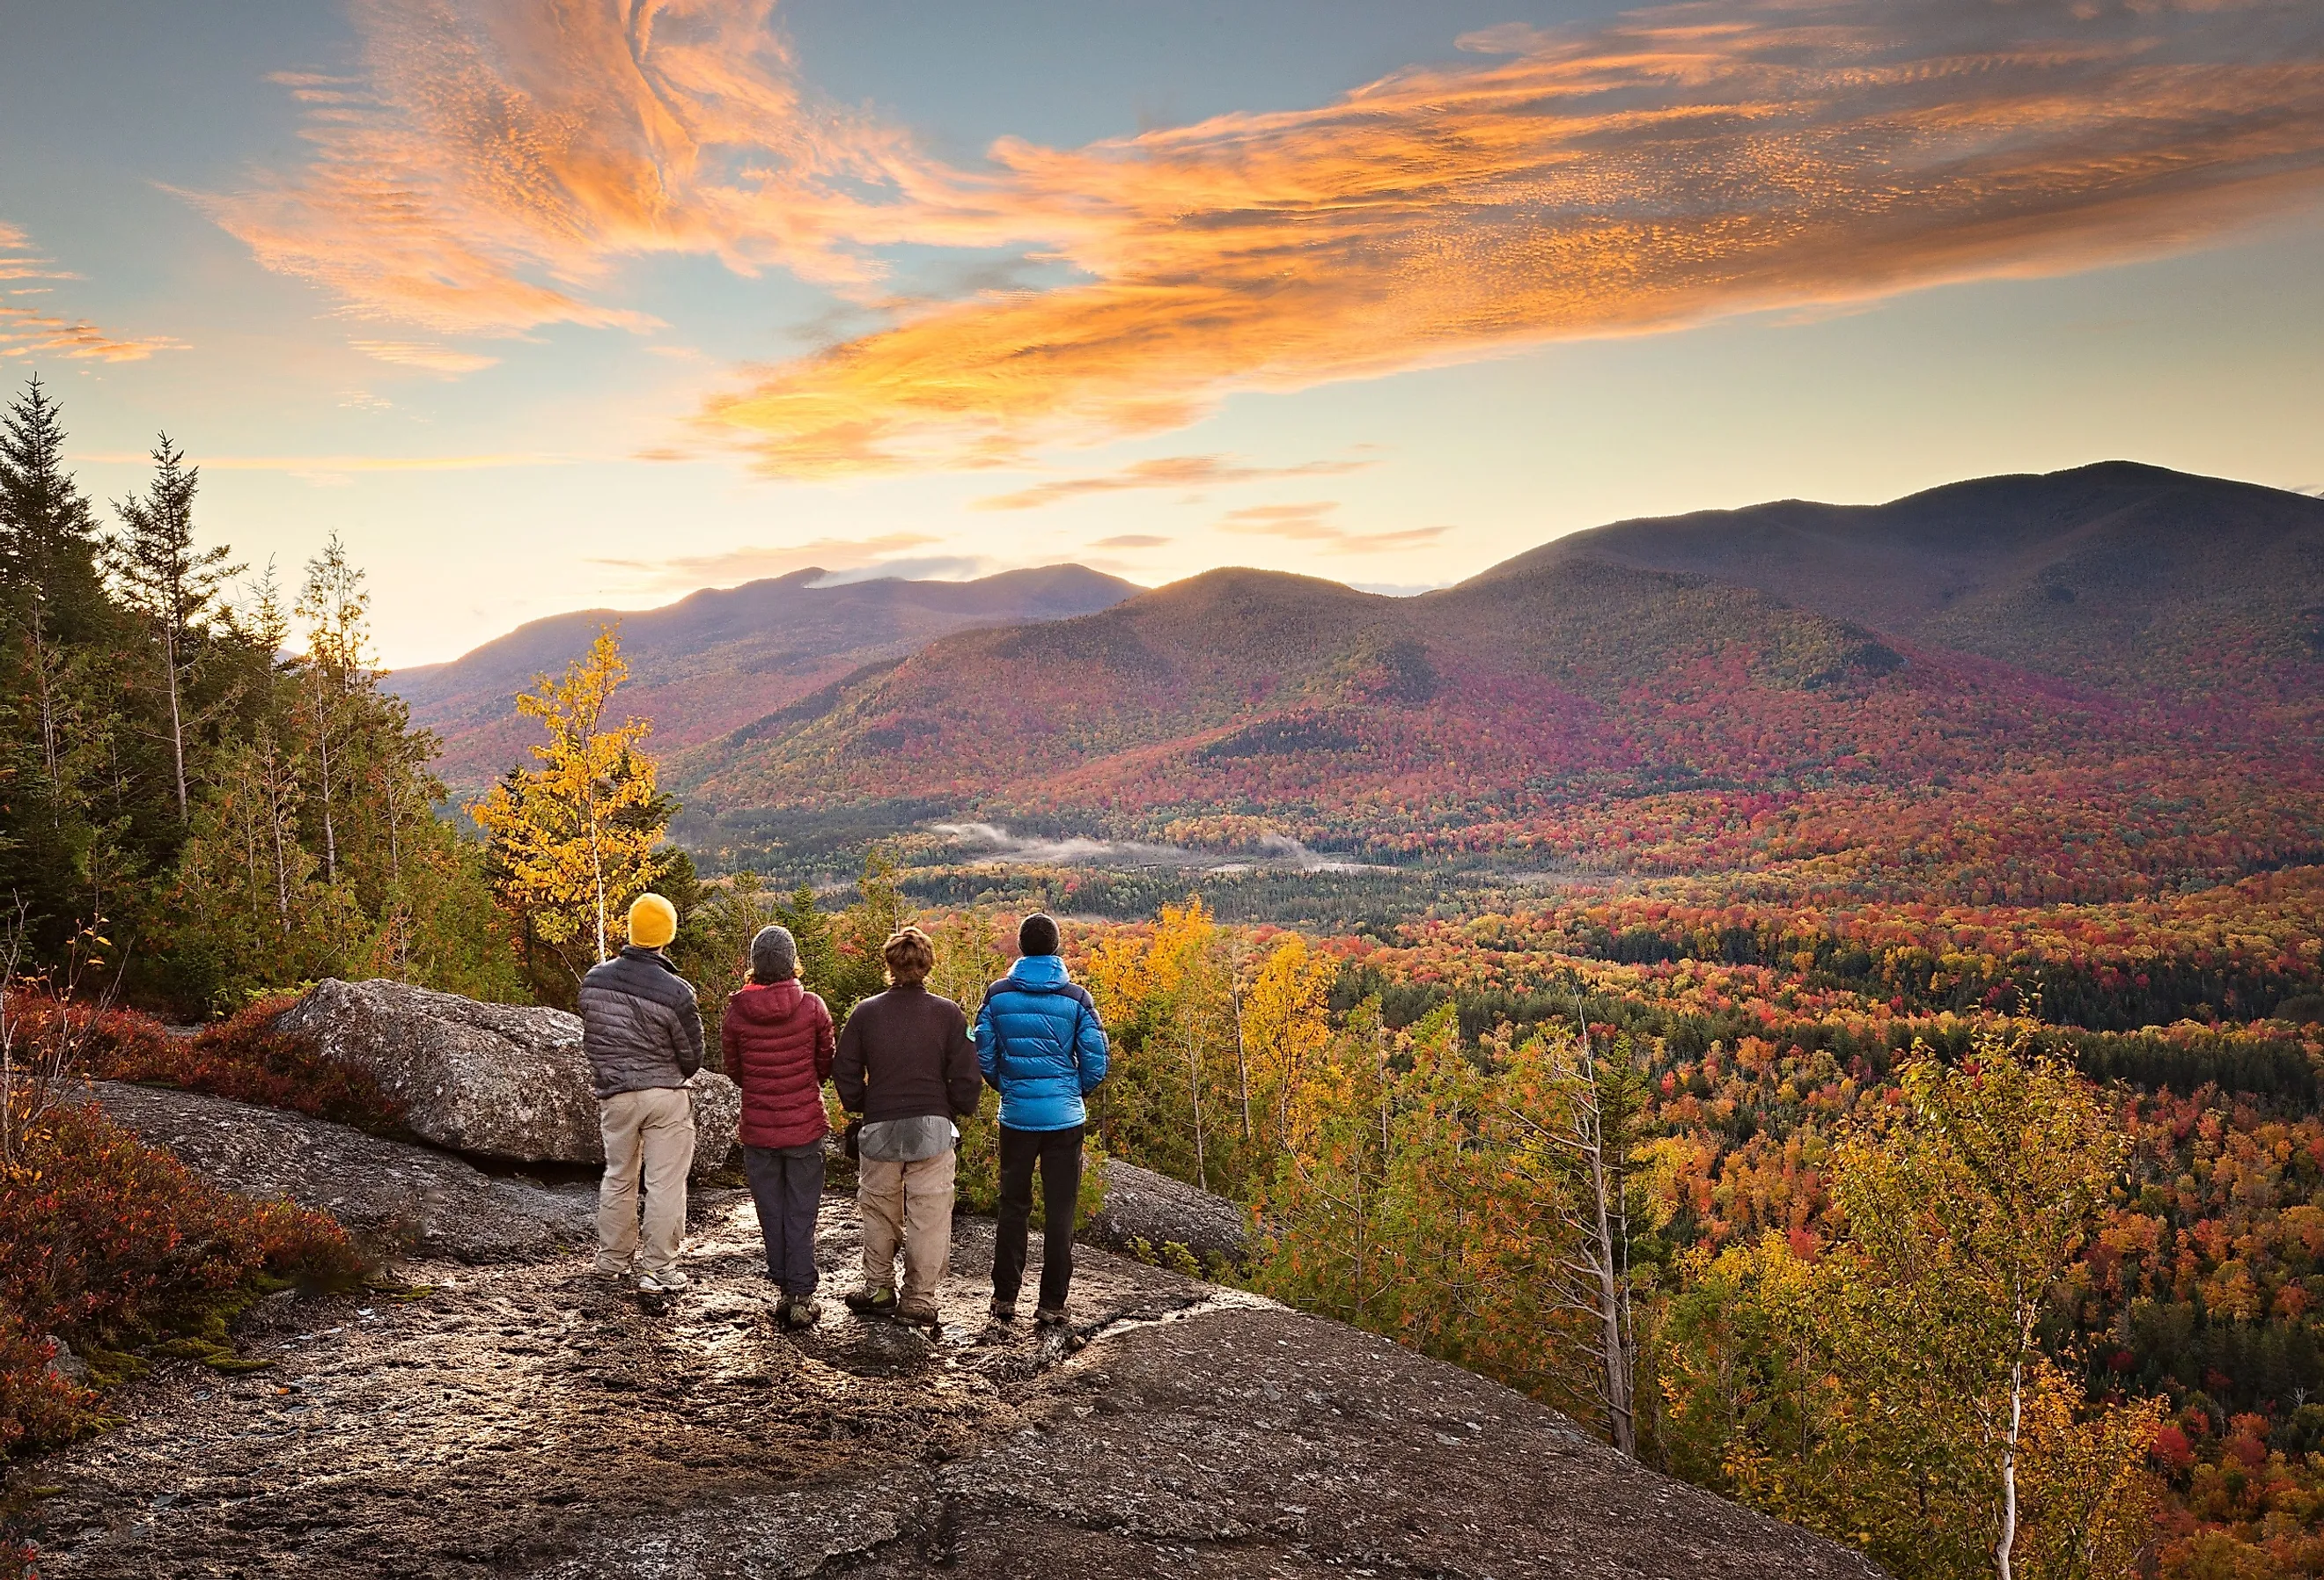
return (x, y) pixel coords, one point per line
(1050, 1316)
(917, 1316)
(872, 1302)
(1004, 1312)
(782, 1311)
(668, 1281)
(801, 1311)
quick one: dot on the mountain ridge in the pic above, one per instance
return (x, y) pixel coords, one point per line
(719, 658)
(2126, 638)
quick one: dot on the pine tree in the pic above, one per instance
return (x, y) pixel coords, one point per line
(59, 634)
(172, 583)
(49, 538)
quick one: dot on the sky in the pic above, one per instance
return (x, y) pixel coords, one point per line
(550, 304)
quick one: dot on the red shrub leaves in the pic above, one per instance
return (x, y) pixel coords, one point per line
(244, 1059)
(109, 1242)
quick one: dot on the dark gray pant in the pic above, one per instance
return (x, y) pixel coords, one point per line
(787, 1182)
(1059, 1154)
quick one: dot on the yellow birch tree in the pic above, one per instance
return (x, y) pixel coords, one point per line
(574, 838)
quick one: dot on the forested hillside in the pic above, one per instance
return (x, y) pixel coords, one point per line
(725, 658)
(2076, 686)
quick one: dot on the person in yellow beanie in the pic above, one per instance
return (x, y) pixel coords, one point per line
(642, 1033)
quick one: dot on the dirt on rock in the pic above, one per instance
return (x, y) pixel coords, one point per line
(527, 1417)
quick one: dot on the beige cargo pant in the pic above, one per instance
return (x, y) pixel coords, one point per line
(910, 1202)
(652, 1133)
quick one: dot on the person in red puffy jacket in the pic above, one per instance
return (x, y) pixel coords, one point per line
(778, 1041)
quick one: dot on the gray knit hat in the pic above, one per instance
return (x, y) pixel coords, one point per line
(774, 955)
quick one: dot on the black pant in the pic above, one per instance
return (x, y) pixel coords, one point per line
(787, 1183)
(1059, 1154)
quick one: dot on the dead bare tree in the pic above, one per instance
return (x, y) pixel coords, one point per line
(1583, 1151)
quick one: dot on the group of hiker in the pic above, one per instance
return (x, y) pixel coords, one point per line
(907, 1066)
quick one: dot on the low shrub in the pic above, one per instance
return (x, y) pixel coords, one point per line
(243, 1057)
(115, 1246)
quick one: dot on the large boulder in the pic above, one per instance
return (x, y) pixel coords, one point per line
(1146, 1213)
(399, 1199)
(500, 1081)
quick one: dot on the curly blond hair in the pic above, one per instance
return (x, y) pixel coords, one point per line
(910, 954)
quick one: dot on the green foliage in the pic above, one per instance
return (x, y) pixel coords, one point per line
(235, 818)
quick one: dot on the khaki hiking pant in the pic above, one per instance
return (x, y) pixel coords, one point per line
(910, 1202)
(652, 1133)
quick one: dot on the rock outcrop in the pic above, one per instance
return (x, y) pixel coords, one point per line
(533, 1421)
(1146, 1213)
(495, 1081)
(397, 1198)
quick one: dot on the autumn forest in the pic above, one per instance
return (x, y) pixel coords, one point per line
(1853, 1044)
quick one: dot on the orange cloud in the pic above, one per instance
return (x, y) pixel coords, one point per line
(493, 163)
(26, 331)
(1304, 522)
(1679, 164)
(1160, 472)
(441, 359)
(884, 554)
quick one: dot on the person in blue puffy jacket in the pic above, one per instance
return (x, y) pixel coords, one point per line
(1039, 1044)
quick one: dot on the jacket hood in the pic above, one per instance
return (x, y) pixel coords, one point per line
(1039, 971)
(769, 1003)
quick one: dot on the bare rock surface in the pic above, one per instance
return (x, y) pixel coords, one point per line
(499, 1081)
(534, 1420)
(1143, 1205)
(396, 1198)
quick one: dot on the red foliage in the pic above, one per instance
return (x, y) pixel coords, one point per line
(2171, 1449)
(107, 1240)
(245, 1059)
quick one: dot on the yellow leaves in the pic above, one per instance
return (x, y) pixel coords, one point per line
(576, 834)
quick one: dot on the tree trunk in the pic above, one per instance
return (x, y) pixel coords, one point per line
(177, 723)
(48, 721)
(323, 752)
(2004, 1549)
(1242, 1067)
(1194, 1089)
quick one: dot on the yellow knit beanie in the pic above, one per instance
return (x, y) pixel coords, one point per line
(653, 921)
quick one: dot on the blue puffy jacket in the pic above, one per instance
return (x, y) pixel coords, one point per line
(1040, 1045)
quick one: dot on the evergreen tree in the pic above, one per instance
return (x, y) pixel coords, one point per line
(174, 584)
(58, 635)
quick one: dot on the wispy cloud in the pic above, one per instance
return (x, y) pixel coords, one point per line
(1131, 540)
(1162, 472)
(991, 842)
(332, 465)
(492, 166)
(26, 331)
(1307, 522)
(842, 557)
(493, 163)
(1676, 165)
(441, 359)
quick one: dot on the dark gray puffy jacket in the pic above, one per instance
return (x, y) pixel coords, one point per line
(639, 1025)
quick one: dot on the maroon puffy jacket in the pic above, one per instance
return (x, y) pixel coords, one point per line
(778, 1041)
